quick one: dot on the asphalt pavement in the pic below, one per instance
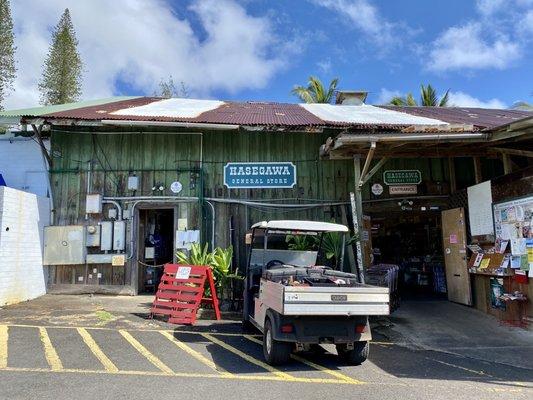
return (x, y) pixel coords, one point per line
(56, 357)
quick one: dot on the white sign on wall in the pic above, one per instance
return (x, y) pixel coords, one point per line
(480, 209)
(403, 189)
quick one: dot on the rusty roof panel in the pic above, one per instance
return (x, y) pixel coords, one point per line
(280, 115)
(481, 118)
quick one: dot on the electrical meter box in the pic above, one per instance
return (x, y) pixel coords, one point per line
(119, 235)
(106, 236)
(64, 245)
(93, 204)
(93, 236)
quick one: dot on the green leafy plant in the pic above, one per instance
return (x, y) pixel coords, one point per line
(198, 255)
(218, 260)
(301, 242)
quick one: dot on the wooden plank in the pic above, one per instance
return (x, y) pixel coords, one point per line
(454, 243)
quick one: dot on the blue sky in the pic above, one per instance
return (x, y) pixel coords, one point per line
(259, 49)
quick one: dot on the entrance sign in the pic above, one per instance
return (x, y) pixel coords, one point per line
(260, 175)
(403, 189)
(402, 177)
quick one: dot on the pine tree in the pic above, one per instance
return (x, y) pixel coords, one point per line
(61, 79)
(7, 51)
(168, 89)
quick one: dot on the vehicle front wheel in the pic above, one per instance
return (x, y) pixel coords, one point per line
(357, 356)
(275, 352)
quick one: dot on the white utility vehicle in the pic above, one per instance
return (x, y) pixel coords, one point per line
(298, 304)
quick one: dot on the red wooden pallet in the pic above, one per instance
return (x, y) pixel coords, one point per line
(179, 299)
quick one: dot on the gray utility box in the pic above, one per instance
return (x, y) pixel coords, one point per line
(64, 245)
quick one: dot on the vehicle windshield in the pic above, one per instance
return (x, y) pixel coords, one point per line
(300, 249)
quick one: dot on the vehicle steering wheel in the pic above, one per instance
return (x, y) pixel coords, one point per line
(273, 263)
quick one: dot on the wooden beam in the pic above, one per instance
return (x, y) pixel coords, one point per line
(37, 129)
(516, 152)
(477, 169)
(507, 164)
(451, 169)
(375, 169)
(367, 162)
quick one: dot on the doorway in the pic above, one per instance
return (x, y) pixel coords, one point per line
(412, 239)
(155, 246)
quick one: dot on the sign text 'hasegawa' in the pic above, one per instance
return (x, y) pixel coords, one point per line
(259, 175)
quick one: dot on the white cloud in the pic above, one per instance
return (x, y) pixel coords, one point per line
(386, 95)
(461, 99)
(465, 47)
(365, 17)
(324, 65)
(526, 25)
(142, 41)
(489, 7)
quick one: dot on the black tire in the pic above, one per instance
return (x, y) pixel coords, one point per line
(357, 356)
(274, 351)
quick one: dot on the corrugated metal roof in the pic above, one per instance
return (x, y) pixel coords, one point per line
(367, 115)
(245, 113)
(481, 118)
(274, 115)
(38, 111)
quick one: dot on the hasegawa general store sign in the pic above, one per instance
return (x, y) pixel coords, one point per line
(260, 175)
(402, 177)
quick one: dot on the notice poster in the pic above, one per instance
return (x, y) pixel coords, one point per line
(518, 246)
(480, 209)
(484, 263)
(183, 273)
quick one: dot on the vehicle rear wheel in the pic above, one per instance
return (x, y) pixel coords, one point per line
(357, 356)
(275, 352)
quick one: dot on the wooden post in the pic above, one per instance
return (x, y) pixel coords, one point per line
(477, 169)
(356, 200)
(507, 165)
(451, 169)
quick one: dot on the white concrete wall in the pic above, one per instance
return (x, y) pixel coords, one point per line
(22, 219)
(22, 164)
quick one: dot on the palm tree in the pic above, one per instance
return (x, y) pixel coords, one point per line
(522, 106)
(315, 92)
(428, 98)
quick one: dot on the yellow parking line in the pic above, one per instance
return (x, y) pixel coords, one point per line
(50, 353)
(144, 351)
(193, 352)
(277, 372)
(328, 371)
(97, 351)
(100, 328)
(4, 335)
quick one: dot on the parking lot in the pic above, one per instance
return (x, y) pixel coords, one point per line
(100, 362)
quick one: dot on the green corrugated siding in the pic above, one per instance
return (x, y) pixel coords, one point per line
(164, 158)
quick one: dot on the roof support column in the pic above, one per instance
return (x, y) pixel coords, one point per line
(356, 200)
(451, 170)
(477, 169)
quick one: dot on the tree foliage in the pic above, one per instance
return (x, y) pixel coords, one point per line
(169, 89)
(316, 92)
(7, 51)
(61, 79)
(428, 98)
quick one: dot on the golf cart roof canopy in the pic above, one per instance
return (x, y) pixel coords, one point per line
(293, 225)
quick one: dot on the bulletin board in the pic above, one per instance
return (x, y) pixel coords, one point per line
(513, 223)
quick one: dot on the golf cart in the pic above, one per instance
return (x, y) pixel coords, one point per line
(297, 303)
